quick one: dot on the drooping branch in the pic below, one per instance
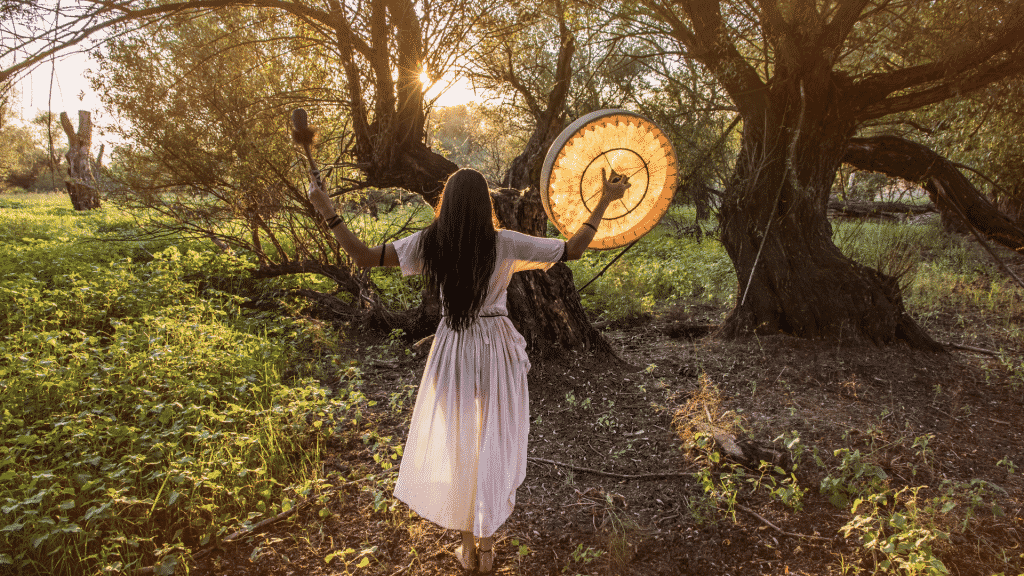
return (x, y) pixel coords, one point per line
(951, 191)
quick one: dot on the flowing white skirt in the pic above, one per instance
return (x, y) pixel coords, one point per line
(466, 452)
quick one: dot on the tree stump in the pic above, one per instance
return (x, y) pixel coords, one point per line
(81, 183)
(544, 306)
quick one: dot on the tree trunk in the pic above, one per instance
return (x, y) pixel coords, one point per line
(81, 184)
(953, 194)
(792, 277)
(544, 306)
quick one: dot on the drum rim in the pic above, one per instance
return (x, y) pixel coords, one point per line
(571, 131)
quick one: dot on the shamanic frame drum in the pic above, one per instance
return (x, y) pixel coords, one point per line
(620, 141)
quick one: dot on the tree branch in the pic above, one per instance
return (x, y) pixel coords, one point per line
(837, 29)
(981, 77)
(966, 69)
(127, 13)
(715, 50)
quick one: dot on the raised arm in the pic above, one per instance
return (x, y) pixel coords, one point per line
(361, 254)
(613, 189)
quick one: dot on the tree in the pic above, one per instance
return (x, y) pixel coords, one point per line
(204, 100)
(81, 183)
(380, 47)
(21, 158)
(804, 75)
(528, 57)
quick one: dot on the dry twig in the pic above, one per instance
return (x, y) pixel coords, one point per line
(654, 476)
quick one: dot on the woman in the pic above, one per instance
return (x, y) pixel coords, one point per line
(466, 452)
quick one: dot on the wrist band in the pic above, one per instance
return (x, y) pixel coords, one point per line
(333, 221)
(591, 226)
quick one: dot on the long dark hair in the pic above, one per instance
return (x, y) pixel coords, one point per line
(460, 248)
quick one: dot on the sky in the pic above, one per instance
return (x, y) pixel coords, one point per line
(72, 92)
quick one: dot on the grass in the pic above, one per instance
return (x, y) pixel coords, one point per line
(145, 415)
(663, 267)
(936, 269)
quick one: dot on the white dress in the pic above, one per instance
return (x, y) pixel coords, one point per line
(466, 452)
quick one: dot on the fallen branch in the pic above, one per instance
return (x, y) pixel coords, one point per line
(973, 349)
(612, 474)
(776, 528)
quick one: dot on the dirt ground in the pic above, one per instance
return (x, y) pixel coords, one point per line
(612, 487)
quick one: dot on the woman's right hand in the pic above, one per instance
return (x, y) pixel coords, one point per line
(614, 187)
(321, 201)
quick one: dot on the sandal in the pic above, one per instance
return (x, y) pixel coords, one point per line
(467, 562)
(486, 559)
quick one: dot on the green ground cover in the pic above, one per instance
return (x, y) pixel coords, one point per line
(144, 414)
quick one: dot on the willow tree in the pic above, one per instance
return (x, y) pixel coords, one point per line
(804, 75)
(528, 58)
(379, 47)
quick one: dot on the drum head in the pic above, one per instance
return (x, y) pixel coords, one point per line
(619, 140)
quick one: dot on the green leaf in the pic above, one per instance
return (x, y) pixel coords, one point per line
(166, 566)
(364, 562)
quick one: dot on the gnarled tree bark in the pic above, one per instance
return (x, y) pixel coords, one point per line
(544, 306)
(81, 184)
(792, 277)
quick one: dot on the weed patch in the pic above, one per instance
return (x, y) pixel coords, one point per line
(144, 415)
